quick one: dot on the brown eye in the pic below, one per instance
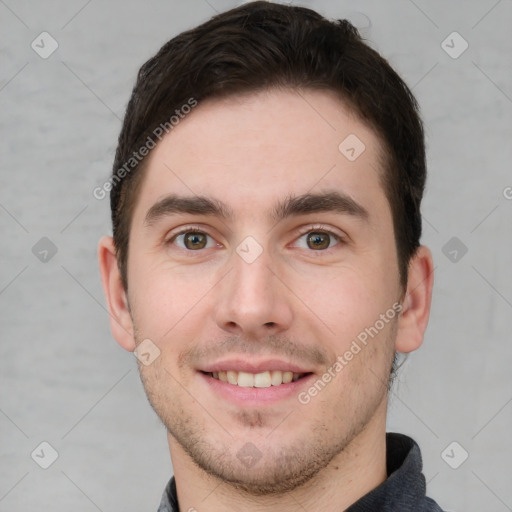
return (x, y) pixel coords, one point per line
(317, 240)
(194, 240)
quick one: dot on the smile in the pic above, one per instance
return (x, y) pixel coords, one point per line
(263, 379)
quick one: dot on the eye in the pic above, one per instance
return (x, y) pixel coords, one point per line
(192, 240)
(318, 240)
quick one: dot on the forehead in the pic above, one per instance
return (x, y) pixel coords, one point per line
(250, 151)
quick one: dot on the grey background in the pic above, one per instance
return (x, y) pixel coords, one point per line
(64, 380)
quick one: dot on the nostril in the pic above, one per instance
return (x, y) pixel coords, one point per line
(270, 324)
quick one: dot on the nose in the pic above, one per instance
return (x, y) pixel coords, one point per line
(252, 301)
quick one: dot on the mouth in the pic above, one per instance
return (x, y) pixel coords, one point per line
(256, 382)
(246, 384)
(264, 379)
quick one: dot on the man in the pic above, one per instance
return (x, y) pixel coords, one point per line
(266, 266)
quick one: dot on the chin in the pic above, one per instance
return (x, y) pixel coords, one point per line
(266, 478)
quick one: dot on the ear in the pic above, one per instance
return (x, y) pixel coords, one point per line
(120, 319)
(416, 304)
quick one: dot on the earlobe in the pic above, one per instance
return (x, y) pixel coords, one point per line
(416, 305)
(117, 302)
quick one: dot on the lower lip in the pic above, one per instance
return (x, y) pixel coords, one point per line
(256, 396)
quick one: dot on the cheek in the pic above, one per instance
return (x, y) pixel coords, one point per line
(168, 302)
(350, 303)
(345, 298)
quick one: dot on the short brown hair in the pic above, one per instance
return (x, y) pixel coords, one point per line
(264, 45)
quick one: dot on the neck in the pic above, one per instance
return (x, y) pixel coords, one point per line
(351, 474)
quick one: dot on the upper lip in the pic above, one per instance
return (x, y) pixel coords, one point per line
(242, 365)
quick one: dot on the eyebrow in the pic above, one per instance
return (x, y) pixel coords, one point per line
(289, 207)
(316, 203)
(194, 205)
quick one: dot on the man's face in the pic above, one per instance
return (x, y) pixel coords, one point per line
(242, 276)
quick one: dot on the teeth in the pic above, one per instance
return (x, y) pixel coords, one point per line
(258, 380)
(262, 380)
(287, 377)
(245, 380)
(276, 378)
(232, 377)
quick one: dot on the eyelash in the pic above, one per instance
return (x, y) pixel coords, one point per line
(189, 229)
(310, 229)
(322, 229)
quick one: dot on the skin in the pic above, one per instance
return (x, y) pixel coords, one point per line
(294, 302)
